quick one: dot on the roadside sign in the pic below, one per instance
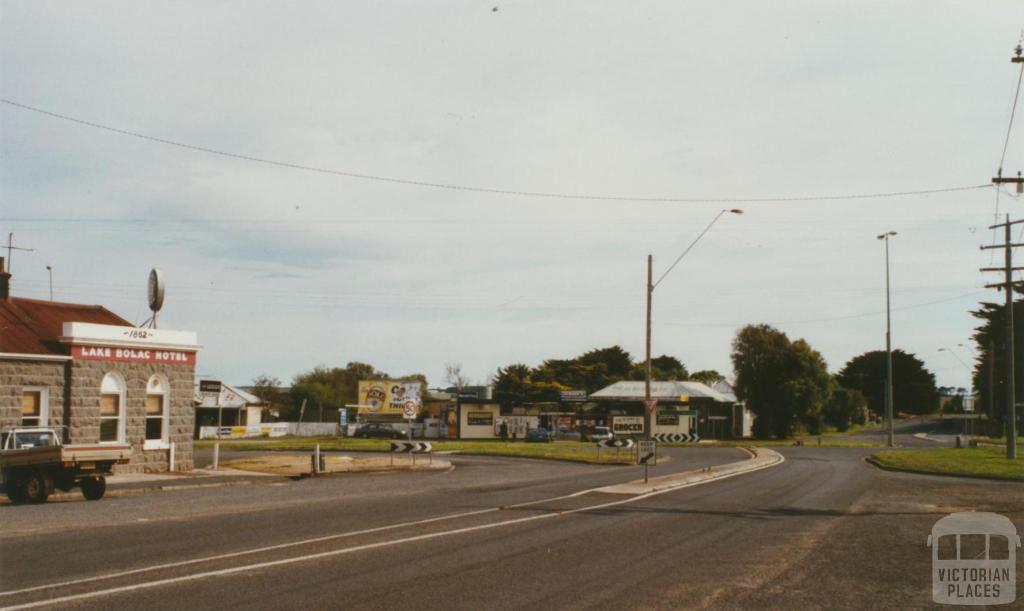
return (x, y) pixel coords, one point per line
(343, 417)
(209, 386)
(677, 437)
(409, 409)
(574, 395)
(411, 447)
(615, 443)
(646, 452)
(650, 404)
(968, 404)
(628, 425)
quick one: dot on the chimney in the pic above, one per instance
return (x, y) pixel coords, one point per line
(5, 281)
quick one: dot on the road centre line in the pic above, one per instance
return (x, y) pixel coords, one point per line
(368, 546)
(271, 548)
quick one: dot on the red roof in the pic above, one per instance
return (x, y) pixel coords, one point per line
(31, 326)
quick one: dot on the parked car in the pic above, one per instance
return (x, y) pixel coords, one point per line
(538, 435)
(600, 433)
(376, 429)
(568, 435)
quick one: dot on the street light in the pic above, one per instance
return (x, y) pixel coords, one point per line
(888, 343)
(50, 270)
(650, 292)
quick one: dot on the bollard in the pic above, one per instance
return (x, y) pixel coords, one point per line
(170, 459)
(216, 455)
(317, 463)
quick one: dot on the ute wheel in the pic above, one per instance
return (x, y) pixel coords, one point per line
(16, 491)
(93, 488)
(38, 487)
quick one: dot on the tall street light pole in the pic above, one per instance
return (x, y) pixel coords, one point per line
(50, 270)
(888, 343)
(650, 293)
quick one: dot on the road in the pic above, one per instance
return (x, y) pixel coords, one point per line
(822, 530)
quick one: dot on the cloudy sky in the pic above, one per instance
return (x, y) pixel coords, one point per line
(280, 268)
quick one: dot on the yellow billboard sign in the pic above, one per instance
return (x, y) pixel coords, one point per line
(387, 396)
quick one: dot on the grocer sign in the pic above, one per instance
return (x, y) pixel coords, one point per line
(627, 425)
(387, 396)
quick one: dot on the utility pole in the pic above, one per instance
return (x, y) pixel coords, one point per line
(650, 293)
(10, 246)
(1007, 285)
(647, 377)
(888, 345)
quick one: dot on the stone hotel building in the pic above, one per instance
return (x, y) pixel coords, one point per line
(97, 378)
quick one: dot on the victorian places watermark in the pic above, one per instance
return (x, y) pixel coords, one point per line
(974, 559)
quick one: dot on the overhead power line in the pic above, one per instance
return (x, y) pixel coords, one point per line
(490, 190)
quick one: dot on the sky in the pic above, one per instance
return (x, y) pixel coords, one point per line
(639, 121)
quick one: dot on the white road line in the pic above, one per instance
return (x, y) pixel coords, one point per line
(331, 553)
(270, 548)
(319, 555)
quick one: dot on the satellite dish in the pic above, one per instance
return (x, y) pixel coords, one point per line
(156, 290)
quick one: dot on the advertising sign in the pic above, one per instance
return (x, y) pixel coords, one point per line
(387, 396)
(574, 395)
(343, 417)
(628, 425)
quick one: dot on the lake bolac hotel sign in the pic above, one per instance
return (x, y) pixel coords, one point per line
(93, 342)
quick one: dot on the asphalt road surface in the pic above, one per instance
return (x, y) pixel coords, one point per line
(822, 530)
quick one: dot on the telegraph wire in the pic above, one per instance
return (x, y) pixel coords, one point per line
(489, 190)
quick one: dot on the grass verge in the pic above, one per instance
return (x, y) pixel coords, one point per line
(972, 462)
(558, 450)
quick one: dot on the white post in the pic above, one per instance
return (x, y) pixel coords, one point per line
(317, 468)
(170, 467)
(216, 455)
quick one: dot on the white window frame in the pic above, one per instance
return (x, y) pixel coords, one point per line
(121, 390)
(44, 403)
(164, 392)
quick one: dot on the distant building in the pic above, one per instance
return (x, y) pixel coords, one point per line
(97, 378)
(682, 408)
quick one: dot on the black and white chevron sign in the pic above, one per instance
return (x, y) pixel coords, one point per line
(615, 443)
(677, 437)
(415, 447)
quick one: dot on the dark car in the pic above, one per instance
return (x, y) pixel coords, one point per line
(538, 435)
(376, 429)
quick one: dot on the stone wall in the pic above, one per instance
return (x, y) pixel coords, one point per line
(73, 404)
(16, 375)
(86, 378)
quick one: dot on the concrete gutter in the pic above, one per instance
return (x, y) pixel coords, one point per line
(760, 458)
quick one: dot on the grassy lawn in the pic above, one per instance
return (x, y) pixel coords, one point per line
(558, 450)
(979, 462)
(768, 443)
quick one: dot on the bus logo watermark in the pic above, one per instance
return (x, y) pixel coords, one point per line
(974, 559)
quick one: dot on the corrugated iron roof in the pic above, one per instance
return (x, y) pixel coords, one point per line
(671, 391)
(31, 326)
(230, 397)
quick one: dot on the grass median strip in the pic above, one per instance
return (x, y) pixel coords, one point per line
(558, 450)
(972, 462)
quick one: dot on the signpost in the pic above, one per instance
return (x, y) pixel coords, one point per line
(213, 387)
(409, 409)
(650, 404)
(618, 444)
(646, 454)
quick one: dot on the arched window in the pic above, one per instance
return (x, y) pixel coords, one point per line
(157, 400)
(112, 400)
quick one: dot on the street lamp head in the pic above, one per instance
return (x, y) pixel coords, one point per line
(736, 211)
(49, 269)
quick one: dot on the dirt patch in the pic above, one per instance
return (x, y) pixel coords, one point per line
(300, 465)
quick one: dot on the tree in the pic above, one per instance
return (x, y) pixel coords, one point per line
(913, 386)
(990, 367)
(274, 398)
(784, 383)
(454, 377)
(512, 384)
(845, 408)
(332, 389)
(707, 376)
(616, 360)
